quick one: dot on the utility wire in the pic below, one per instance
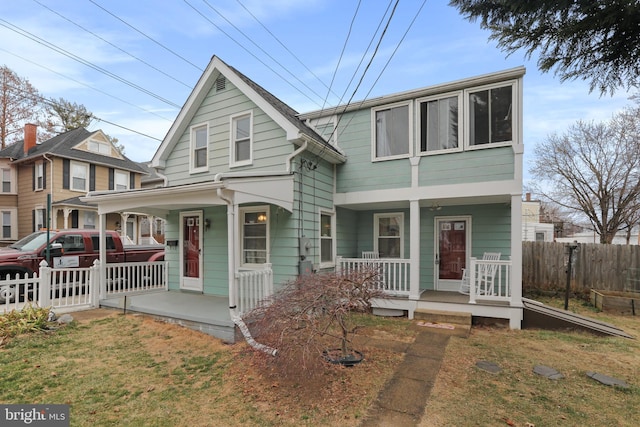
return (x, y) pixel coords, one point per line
(250, 53)
(283, 45)
(52, 103)
(259, 47)
(86, 85)
(89, 64)
(148, 37)
(113, 45)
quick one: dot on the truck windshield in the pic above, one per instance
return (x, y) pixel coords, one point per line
(32, 241)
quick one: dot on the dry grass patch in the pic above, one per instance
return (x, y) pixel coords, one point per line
(465, 395)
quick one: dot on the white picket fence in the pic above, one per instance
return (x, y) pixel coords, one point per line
(72, 289)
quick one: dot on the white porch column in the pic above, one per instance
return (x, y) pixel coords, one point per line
(67, 212)
(414, 248)
(516, 257)
(102, 222)
(54, 218)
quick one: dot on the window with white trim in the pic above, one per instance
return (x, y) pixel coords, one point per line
(79, 176)
(439, 119)
(39, 176)
(241, 139)
(39, 219)
(389, 235)
(6, 180)
(255, 235)
(121, 180)
(491, 115)
(99, 147)
(6, 225)
(326, 237)
(391, 130)
(89, 219)
(199, 148)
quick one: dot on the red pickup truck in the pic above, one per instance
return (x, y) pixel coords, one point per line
(70, 248)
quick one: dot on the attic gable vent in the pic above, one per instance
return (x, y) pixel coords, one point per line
(221, 83)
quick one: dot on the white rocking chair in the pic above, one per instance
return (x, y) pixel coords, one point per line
(485, 276)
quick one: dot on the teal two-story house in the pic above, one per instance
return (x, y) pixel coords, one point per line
(422, 184)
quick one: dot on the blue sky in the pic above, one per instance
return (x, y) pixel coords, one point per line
(158, 50)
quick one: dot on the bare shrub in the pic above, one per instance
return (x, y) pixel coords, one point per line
(310, 315)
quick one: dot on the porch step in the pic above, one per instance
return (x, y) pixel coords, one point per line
(457, 323)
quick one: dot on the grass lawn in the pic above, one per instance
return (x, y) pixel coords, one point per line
(134, 371)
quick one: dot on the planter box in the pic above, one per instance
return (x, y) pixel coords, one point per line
(616, 302)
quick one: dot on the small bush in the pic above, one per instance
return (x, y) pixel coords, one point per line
(29, 319)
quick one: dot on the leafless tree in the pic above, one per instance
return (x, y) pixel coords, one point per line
(312, 314)
(593, 170)
(19, 103)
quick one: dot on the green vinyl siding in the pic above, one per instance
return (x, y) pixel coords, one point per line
(490, 164)
(270, 147)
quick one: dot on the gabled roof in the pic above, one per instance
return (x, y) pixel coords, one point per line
(63, 145)
(286, 117)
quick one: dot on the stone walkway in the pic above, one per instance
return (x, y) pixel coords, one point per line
(402, 402)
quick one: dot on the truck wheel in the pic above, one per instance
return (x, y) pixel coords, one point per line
(7, 294)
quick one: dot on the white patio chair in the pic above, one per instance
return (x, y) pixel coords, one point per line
(485, 276)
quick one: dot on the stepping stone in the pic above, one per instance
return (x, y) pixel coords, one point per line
(607, 380)
(488, 366)
(548, 372)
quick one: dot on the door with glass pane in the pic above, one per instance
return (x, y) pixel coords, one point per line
(452, 250)
(191, 251)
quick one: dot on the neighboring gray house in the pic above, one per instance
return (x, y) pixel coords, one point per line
(424, 181)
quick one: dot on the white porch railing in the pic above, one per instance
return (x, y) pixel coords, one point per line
(79, 288)
(489, 280)
(132, 278)
(254, 288)
(393, 272)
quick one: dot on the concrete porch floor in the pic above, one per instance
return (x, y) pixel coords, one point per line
(205, 313)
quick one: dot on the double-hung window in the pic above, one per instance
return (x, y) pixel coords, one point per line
(391, 130)
(491, 115)
(199, 148)
(255, 235)
(6, 180)
(241, 139)
(79, 176)
(39, 176)
(439, 124)
(100, 147)
(121, 180)
(326, 237)
(6, 225)
(389, 235)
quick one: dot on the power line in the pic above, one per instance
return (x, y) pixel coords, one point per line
(261, 49)
(148, 37)
(86, 85)
(89, 64)
(113, 45)
(251, 53)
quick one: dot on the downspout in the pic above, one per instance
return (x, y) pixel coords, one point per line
(232, 276)
(291, 156)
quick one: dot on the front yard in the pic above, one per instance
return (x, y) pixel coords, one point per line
(135, 371)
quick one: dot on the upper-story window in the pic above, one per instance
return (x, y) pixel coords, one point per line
(391, 131)
(241, 139)
(121, 180)
(199, 148)
(490, 115)
(79, 176)
(99, 147)
(39, 176)
(6, 180)
(439, 123)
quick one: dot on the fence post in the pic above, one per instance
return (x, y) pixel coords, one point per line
(338, 264)
(95, 284)
(44, 279)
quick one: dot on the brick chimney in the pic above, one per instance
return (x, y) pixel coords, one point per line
(29, 137)
(528, 197)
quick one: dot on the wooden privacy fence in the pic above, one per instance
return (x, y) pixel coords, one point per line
(594, 266)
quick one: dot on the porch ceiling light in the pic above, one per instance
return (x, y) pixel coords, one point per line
(435, 206)
(262, 217)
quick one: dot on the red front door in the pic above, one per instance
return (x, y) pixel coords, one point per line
(451, 255)
(191, 254)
